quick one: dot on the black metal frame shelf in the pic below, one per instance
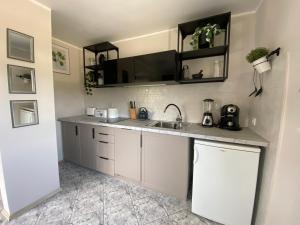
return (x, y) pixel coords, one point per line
(203, 80)
(103, 47)
(185, 29)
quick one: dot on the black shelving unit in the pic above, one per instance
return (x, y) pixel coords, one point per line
(186, 29)
(103, 48)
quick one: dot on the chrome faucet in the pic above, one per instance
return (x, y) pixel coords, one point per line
(179, 116)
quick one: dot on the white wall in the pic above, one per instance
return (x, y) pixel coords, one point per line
(277, 113)
(189, 97)
(68, 90)
(29, 168)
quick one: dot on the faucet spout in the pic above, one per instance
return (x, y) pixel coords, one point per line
(179, 117)
(175, 107)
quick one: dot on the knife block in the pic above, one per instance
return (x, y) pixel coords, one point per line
(132, 113)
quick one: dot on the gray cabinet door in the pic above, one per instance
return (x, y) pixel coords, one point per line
(128, 153)
(88, 146)
(165, 160)
(71, 142)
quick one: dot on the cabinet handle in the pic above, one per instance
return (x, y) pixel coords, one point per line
(103, 158)
(125, 129)
(76, 130)
(102, 134)
(104, 142)
(141, 140)
(93, 131)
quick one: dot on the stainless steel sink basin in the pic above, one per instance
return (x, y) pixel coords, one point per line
(169, 125)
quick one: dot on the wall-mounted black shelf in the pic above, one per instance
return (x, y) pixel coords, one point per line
(186, 29)
(96, 49)
(203, 53)
(203, 80)
(95, 67)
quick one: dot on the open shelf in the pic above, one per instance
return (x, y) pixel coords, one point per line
(101, 47)
(205, 52)
(222, 50)
(94, 67)
(203, 80)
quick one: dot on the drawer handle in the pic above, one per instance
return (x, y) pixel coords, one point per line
(103, 158)
(102, 134)
(104, 142)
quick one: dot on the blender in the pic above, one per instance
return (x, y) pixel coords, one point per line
(207, 120)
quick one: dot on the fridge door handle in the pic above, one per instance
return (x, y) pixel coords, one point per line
(196, 155)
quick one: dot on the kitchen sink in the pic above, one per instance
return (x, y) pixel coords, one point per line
(169, 125)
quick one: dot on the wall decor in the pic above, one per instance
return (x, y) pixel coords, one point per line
(60, 59)
(21, 80)
(20, 46)
(24, 113)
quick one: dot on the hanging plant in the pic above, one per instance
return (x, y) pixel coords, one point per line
(89, 83)
(259, 59)
(204, 37)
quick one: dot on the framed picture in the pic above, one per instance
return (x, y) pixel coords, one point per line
(24, 113)
(20, 46)
(21, 80)
(60, 59)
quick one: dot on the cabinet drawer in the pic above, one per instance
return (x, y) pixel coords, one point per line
(105, 149)
(104, 130)
(105, 137)
(106, 166)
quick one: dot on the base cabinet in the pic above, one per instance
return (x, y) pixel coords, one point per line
(87, 146)
(128, 153)
(165, 160)
(157, 161)
(71, 142)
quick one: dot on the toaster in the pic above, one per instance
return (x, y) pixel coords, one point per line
(101, 113)
(90, 111)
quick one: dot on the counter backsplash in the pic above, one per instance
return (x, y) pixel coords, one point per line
(187, 97)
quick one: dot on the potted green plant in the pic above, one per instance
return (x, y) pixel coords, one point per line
(89, 83)
(259, 59)
(204, 37)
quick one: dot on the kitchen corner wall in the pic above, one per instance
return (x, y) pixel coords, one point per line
(188, 97)
(28, 162)
(68, 90)
(277, 113)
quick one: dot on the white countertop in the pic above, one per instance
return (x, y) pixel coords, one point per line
(246, 136)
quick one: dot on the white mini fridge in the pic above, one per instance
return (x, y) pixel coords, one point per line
(224, 181)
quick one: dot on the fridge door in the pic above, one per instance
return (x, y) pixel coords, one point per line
(224, 184)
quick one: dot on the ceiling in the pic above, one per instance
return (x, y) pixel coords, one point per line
(87, 22)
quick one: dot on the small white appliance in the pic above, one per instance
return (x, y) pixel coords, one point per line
(90, 111)
(113, 113)
(224, 182)
(101, 113)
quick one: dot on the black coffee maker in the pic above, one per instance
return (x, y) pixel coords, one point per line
(230, 117)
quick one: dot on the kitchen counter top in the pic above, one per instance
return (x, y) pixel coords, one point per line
(246, 136)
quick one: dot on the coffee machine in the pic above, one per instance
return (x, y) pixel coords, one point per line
(207, 120)
(230, 117)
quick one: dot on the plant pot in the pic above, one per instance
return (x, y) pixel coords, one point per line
(202, 43)
(262, 65)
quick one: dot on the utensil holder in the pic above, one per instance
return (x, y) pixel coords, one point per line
(132, 113)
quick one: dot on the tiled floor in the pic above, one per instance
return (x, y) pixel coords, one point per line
(91, 198)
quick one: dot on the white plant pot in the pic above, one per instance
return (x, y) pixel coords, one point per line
(262, 65)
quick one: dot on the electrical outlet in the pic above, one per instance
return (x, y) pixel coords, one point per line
(253, 122)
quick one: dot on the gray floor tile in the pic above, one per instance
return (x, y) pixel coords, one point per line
(163, 221)
(149, 210)
(121, 214)
(185, 217)
(113, 198)
(94, 218)
(88, 197)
